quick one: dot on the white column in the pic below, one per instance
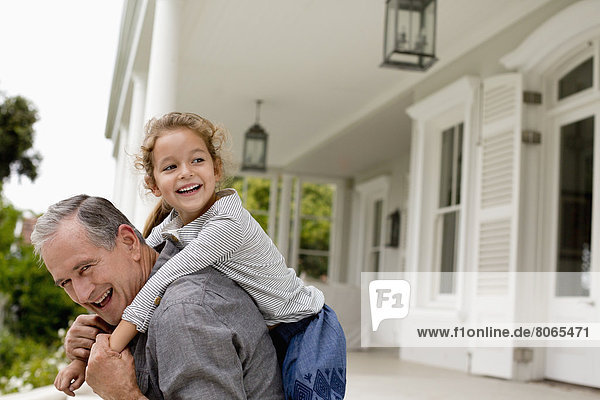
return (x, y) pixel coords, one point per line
(119, 155)
(135, 205)
(161, 90)
(164, 58)
(285, 201)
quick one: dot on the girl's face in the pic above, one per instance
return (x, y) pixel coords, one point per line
(185, 174)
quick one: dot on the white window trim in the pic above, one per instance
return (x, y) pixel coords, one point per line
(552, 188)
(566, 30)
(569, 61)
(366, 193)
(453, 104)
(557, 46)
(559, 113)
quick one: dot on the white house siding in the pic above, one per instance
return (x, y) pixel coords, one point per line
(408, 178)
(516, 218)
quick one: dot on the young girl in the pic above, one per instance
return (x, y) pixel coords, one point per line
(181, 157)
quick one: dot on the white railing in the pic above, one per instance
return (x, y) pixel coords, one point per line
(50, 393)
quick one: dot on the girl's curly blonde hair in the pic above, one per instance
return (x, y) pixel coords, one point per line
(215, 137)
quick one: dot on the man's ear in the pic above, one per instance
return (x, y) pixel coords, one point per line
(126, 237)
(152, 186)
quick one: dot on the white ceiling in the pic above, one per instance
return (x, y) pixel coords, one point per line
(315, 64)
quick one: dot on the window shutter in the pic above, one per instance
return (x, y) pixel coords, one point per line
(498, 205)
(497, 219)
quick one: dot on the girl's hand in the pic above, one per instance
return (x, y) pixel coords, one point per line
(71, 377)
(82, 334)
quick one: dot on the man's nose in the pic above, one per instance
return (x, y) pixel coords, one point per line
(82, 289)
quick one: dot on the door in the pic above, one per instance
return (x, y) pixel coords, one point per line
(574, 250)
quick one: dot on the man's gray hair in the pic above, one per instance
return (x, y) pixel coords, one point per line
(98, 216)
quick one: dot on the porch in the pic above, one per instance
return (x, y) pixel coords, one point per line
(380, 374)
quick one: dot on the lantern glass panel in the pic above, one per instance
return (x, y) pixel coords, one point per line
(413, 25)
(391, 20)
(254, 154)
(429, 27)
(403, 30)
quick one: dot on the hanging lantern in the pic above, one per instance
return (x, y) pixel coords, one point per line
(409, 37)
(255, 146)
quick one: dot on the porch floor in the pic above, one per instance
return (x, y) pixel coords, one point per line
(379, 374)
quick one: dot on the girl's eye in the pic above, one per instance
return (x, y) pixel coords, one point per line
(169, 167)
(197, 160)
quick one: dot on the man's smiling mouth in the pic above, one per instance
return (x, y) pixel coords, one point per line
(104, 299)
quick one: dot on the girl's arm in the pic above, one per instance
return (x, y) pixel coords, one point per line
(220, 237)
(122, 335)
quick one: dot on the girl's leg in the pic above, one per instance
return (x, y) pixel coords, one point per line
(315, 363)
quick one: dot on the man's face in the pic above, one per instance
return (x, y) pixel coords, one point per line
(102, 281)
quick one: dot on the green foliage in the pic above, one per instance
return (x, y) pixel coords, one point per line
(258, 194)
(8, 221)
(255, 197)
(26, 363)
(34, 309)
(317, 199)
(17, 116)
(313, 266)
(316, 209)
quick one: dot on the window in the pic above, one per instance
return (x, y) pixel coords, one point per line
(375, 249)
(313, 228)
(577, 79)
(255, 193)
(440, 232)
(369, 215)
(575, 207)
(448, 212)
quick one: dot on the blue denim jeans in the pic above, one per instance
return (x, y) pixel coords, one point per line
(312, 356)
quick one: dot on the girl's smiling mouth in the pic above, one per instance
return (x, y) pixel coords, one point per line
(189, 189)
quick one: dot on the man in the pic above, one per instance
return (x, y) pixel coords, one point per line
(206, 339)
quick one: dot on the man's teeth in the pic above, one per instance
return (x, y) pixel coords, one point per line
(99, 302)
(188, 189)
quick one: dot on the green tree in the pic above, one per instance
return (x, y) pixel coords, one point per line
(34, 306)
(17, 117)
(35, 311)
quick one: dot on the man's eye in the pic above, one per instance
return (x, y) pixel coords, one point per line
(85, 268)
(64, 283)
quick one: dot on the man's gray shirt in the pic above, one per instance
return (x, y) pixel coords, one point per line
(206, 340)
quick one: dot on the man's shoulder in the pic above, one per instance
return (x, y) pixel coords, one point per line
(208, 290)
(199, 288)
